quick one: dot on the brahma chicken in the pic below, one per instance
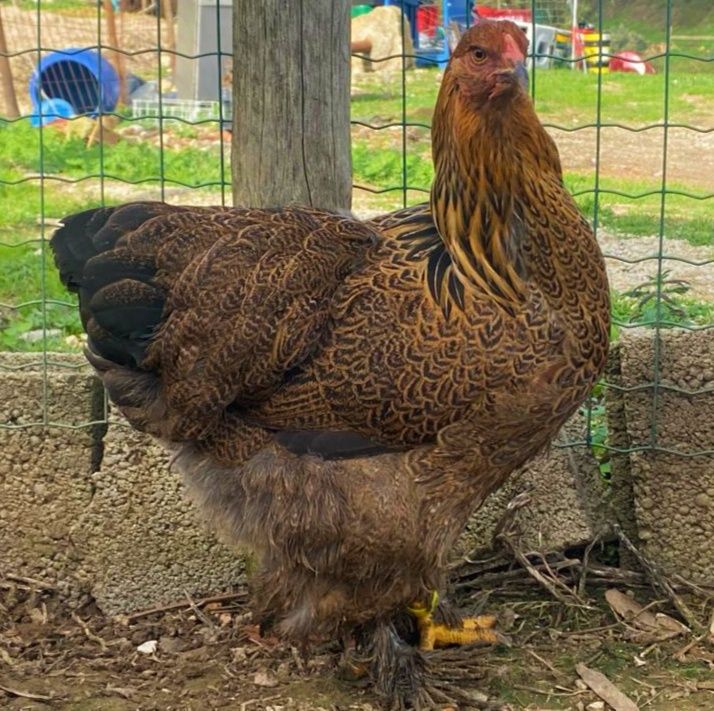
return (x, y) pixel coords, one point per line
(342, 395)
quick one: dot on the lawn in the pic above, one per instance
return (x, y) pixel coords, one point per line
(189, 156)
(563, 98)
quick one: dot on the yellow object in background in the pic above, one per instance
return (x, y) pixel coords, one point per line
(597, 52)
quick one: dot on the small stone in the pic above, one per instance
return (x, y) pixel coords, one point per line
(148, 647)
(170, 645)
(595, 706)
(263, 677)
(283, 670)
(240, 654)
(702, 500)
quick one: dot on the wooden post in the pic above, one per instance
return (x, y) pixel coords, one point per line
(118, 59)
(291, 103)
(8, 87)
(168, 11)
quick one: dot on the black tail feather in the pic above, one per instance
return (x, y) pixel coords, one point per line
(72, 244)
(119, 303)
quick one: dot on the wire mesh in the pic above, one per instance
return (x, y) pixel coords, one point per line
(638, 148)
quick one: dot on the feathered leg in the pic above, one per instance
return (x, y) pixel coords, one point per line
(410, 678)
(395, 667)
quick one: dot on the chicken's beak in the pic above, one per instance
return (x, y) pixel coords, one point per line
(508, 77)
(515, 60)
(521, 74)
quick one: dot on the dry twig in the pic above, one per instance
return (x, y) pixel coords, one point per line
(555, 672)
(89, 634)
(586, 560)
(564, 595)
(27, 694)
(184, 604)
(33, 582)
(659, 581)
(197, 611)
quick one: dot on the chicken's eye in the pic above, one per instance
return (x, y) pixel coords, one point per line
(479, 54)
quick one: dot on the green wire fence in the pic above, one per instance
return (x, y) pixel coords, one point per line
(154, 145)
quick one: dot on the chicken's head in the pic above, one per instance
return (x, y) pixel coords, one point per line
(488, 63)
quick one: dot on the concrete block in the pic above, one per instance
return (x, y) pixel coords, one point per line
(673, 493)
(45, 472)
(621, 484)
(90, 509)
(96, 509)
(144, 542)
(566, 495)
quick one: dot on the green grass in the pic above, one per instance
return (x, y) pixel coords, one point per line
(26, 150)
(70, 7)
(681, 310)
(384, 168)
(24, 202)
(26, 271)
(562, 97)
(633, 208)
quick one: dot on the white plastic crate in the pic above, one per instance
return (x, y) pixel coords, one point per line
(185, 109)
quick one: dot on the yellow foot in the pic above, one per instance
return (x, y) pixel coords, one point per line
(436, 634)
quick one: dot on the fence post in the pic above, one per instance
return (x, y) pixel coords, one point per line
(291, 103)
(117, 57)
(8, 88)
(168, 14)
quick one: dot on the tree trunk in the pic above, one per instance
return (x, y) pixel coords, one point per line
(8, 88)
(116, 58)
(291, 103)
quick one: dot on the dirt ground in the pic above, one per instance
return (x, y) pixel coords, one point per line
(633, 260)
(206, 654)
(639, 155)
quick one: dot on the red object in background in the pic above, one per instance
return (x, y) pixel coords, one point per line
(496, 13)
(578, 41)
(427, 18)
(628, 61)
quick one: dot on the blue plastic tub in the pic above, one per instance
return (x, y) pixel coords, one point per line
(81, 77)
(50, 110)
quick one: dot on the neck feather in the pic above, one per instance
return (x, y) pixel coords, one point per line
(481, 162)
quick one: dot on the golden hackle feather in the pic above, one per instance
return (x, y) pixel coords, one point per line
(483, 164)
